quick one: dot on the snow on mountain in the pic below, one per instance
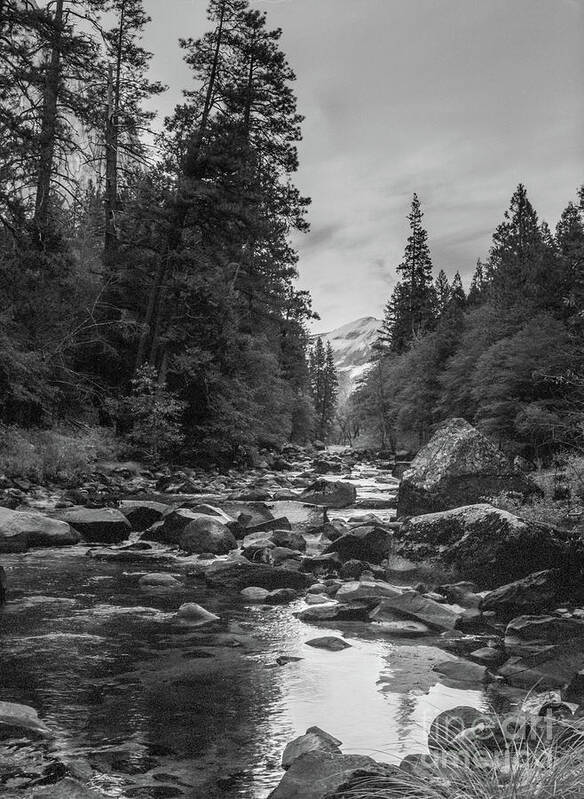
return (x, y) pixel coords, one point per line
(352, 345)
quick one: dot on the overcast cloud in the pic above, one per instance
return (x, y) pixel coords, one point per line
(458, 100)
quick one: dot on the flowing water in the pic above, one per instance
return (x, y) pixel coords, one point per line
(163, 709)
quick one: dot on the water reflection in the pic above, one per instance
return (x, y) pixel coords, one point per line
(155, 705)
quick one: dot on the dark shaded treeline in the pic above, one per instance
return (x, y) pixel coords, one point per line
(508, 356)
(148, 281)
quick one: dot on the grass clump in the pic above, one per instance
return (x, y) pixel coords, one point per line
(524, 766)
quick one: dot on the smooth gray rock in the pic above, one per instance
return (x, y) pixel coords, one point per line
(99, 525)
(330, 494)
(412, 605)
(313, 740)
(18, 720)
(207, 534)
(329, 642)
(316, 775)
(22, 529)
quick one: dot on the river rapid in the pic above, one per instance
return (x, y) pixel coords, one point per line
(157, 708)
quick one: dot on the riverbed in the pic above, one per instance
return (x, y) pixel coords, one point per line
(158, 708)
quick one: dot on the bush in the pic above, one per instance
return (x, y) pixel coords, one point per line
(57, 454)
(155, 415)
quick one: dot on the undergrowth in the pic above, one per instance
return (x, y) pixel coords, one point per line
(53, 455)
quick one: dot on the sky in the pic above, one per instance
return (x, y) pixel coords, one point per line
(457, 100)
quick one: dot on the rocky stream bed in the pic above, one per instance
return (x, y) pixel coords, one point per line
(187, 634)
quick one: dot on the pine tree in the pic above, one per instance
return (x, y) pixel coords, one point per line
(410, 310)
(324, 383)
(570, 242)
(443, 292)
(123, 120)
(478, 286)
(520, 271)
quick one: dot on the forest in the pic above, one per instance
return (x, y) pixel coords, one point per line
(506, 355)
(148, 277)
(148, 281)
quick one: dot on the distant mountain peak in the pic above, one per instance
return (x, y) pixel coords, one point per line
(352, 347)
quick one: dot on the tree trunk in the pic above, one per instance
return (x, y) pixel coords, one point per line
(48, 132)
(111, 146)
(152, 322)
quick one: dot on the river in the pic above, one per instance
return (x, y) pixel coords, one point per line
(159, 708)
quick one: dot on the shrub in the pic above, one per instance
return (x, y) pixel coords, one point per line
(155, 415)
(56, 454)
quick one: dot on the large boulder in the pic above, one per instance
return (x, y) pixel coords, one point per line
(330, 494)
(99, 525)
(481, 543)
(316, 775)
(532, 594)
(22, 529)
(370, 543)
(207, 534)
(238, 573)
(458, 466)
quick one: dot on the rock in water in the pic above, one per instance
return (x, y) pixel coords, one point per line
(192, 612)
(316, 775)
(159, 580)
(254, 594)
(412, 605)
(99, 525)
(3, 586)
(370, 543)
(207, 534)
(366, 589)
(22, 529)
(313, 740)
(170, 528)
(481, 543)
(330, 494)
(458, 466)
(329, 642)
(142, 514)
(18, 720)
(238, 573)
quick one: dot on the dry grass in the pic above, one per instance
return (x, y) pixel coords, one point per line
(525, 768)
(52, 455)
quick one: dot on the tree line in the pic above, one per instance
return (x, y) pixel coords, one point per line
(147, 275)
(507, 355)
